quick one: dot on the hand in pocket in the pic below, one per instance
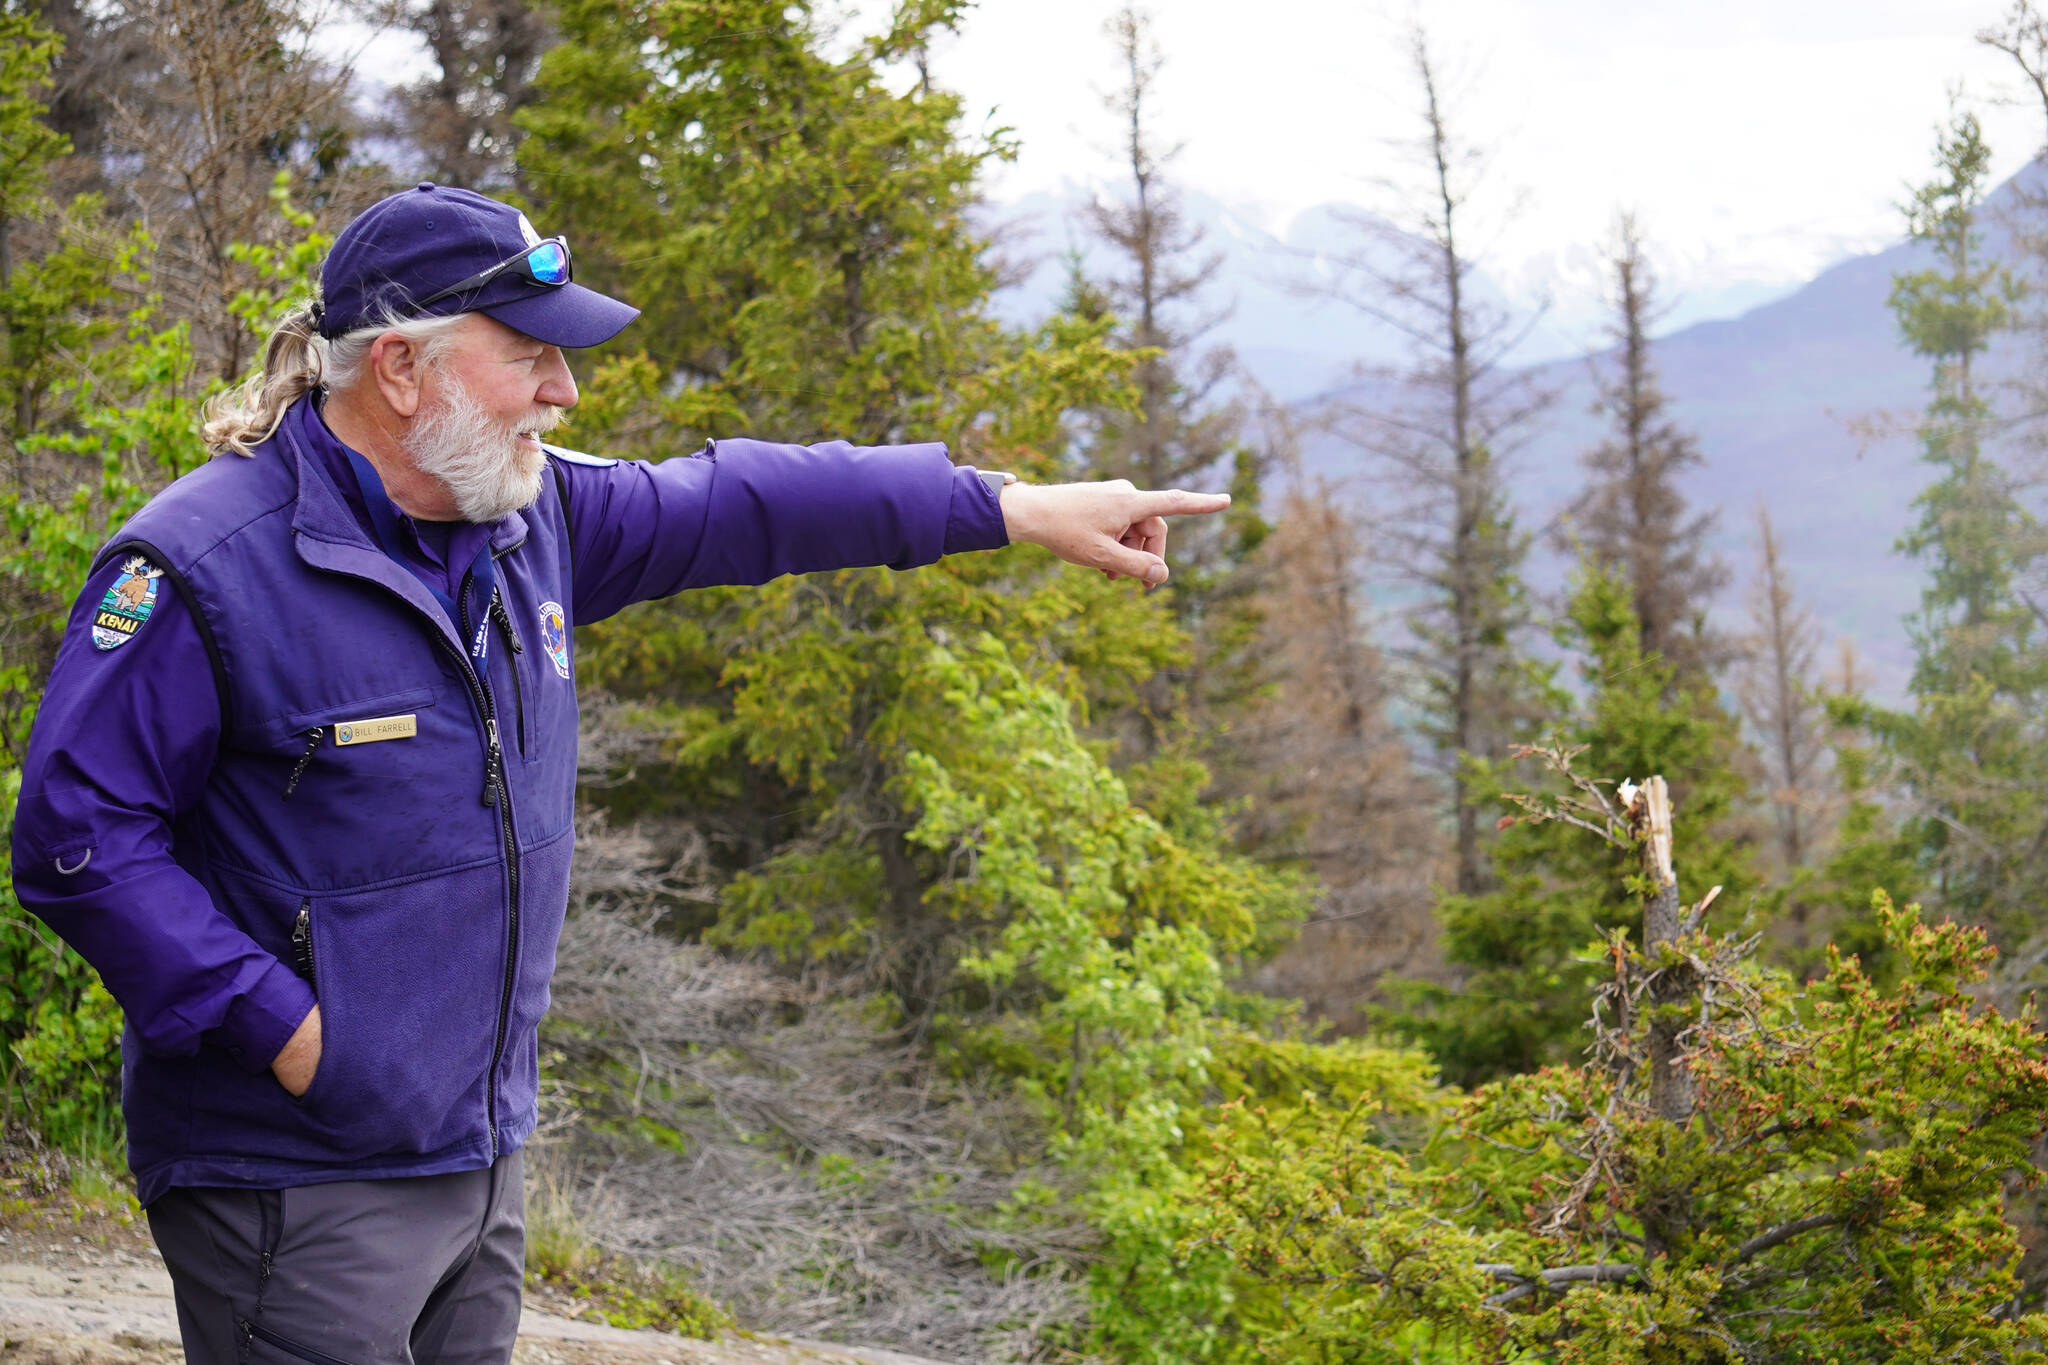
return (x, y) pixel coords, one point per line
(295, 1066)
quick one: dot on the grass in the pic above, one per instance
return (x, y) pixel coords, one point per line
(42, 1183)
(102, 1186)
(622, 1291)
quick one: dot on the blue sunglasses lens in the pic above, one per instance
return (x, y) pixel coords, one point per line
(549, 263)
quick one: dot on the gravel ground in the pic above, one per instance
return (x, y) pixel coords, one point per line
(88, 1288)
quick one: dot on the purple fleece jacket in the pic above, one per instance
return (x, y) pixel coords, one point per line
(145, 743)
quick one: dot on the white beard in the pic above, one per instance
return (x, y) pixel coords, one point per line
(486, 468)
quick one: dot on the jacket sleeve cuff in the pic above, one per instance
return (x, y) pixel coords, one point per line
(262, 1019)
(974, 516)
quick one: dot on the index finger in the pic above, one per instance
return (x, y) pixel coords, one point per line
(1173, 502)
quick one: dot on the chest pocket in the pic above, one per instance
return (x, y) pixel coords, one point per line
(373, 737)
(359, 791)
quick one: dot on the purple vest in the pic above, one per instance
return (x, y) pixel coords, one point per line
(382, 816)
(372, 811)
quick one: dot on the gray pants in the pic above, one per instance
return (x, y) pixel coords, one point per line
(422, 1270)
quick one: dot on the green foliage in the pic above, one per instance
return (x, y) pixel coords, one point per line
(1171, 1289)
(796, 230)
(1531, 948)
(1098, 940)
(62, 1071)
(97, 410)
(1113, 932)
(50, 294)
(1870, 849)
(1835, 1195)
(798, 237)
(134, 420)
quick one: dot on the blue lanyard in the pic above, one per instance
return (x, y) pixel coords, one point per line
(481, 579)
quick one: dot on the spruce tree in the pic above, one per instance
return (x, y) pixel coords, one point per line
(1633, 514)
(798, 234)
(1973, 751)
(1435, 442)
(1332, 784)
(1529, 948)
(1186, 421)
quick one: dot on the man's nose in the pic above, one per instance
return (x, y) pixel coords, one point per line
(557, 385)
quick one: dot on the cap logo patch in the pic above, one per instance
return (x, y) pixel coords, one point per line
(554, 636)
(127, 605)
(526, 232)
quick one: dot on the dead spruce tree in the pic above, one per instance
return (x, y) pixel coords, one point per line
(1633, 515)
(1334, 786)
(1434, 435)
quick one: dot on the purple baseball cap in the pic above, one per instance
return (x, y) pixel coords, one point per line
(420, 241)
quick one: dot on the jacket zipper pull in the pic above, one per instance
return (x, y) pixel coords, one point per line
(313, 738)
(493, 762)
(504, 619)
(302, 940)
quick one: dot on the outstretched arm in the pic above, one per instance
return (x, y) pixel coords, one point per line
(745, 511)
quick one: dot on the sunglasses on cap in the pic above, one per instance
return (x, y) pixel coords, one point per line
(545, 263)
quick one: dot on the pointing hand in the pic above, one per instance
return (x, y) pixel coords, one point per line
(1109, 526)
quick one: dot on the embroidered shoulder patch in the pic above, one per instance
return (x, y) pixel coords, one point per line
(554, 635)
(127, 606)
(578, 457)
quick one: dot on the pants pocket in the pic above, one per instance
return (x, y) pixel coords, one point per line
(273, 1348)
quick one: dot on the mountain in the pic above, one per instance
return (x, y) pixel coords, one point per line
(1802, 404)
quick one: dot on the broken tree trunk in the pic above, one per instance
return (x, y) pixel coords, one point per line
(1664, 1207)
(1671, 984)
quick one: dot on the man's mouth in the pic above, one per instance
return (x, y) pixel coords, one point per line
(533, 434)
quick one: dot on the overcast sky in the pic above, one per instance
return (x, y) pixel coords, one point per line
(1757, 139)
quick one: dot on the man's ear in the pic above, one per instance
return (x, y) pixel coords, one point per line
(395, 363)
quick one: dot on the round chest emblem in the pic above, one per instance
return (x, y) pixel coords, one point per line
(554, 636)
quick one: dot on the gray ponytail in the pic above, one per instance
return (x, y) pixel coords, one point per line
(298, 360)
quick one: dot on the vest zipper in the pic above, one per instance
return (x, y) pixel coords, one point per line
(313, 738)
(504, 620)
(302, 942)
(497, 792)
(494, 781)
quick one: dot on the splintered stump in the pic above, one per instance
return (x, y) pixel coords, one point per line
(1671, 984)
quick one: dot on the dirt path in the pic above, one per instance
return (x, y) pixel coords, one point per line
(91, 1290)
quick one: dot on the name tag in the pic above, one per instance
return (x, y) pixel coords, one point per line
(377, 727)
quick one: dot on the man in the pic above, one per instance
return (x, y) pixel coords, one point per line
(303, 782)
